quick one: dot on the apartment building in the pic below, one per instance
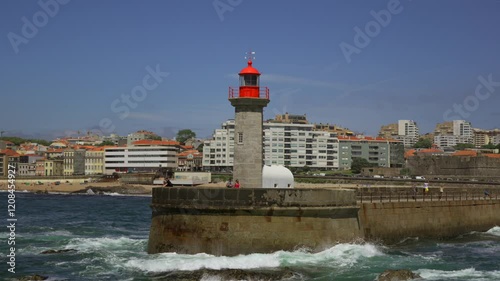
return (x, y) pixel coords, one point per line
(405, 130)
(54, 167)
(218, 153)
(449, 134)
(298, 145)
(379, 151)
(484, 137)
(94, 161)
(141, 135)
(27, 165)
(74, 162)
(190, 160)
(142, 156)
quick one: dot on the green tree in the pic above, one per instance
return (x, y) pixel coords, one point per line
(423, 143)
(462, 146)
(200, 148)
(106, 143)
(184, 135)
(18, 140)
(360, 163)
(489, 146)
(405, 172)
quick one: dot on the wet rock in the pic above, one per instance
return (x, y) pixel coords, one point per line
(397, 275)
(228, 274)
(34, 277)
(58, 251)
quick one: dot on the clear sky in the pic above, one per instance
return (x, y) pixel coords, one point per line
(66, 65)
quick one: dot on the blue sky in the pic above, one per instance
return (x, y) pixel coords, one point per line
(85, 55)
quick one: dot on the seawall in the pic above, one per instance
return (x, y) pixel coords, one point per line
(392, 221)
(243, 221)
(229, 222)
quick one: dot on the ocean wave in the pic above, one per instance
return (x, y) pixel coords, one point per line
(117, 244)
(342, 255)
(464, 274)
(494, 231)
(172, 261)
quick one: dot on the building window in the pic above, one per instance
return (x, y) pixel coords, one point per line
(240, 137)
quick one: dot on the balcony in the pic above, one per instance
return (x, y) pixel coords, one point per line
(234, 93)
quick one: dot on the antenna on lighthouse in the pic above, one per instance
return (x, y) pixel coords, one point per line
(250, 55)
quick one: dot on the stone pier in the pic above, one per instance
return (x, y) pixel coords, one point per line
(242, 221)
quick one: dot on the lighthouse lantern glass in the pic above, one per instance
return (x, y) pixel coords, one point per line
(249, 80)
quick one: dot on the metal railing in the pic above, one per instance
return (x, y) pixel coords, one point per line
(235, 92)
(365, 197)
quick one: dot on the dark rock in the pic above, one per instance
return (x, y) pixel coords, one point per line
(397, 275)
(228, 274)
(58, 251)
(34, 277)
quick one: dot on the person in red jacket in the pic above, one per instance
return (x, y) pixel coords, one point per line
(237, 184)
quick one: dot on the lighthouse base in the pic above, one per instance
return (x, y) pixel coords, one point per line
(231, 222)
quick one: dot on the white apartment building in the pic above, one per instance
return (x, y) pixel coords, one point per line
(408, 132)
(140, 158)
(297, 145)
(218, 153)
(293, 145)
(462, 132)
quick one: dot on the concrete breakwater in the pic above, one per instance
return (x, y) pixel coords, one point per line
(242, 221)
(393, 221)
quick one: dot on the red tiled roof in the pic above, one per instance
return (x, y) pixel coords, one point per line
(465, 153)
(187, 152)
(492, 155)
(10, 152)
(430, 150)
(59, 150)
(155, 142)
(410, 153)
(366, 138)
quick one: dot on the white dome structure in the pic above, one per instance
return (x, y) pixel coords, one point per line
(276, 177)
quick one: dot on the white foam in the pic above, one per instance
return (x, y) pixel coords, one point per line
(58, 233)
(106, 243)
(340, 255)
(172, 261)
(343, 255)
(464, 274)
(494, 231)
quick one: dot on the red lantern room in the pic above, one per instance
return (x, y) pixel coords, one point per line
(249, 83)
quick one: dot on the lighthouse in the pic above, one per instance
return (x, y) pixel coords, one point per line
(249, 101)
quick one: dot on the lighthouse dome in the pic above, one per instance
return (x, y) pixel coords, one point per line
(249, 70)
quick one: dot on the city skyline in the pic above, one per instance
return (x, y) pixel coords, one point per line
(359, 65)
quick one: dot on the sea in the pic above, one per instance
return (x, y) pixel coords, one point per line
(108, 236)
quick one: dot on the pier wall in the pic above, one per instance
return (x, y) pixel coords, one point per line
(231, 221)
(393, 221)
